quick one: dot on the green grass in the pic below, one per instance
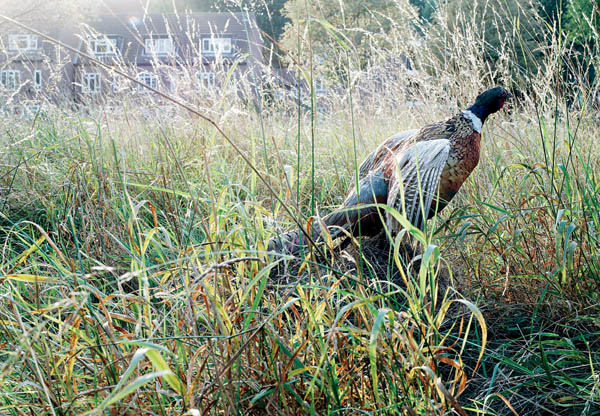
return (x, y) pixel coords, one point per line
(134, 276)
(117, 250)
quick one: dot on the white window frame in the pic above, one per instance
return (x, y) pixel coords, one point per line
(117, 82)
(320, 87)
(159, 46)
(104, 46)
(86, 82)
(149, 79)
(212, 46)
(30, 40)
(38, 80)
(206, 78)
(294, 91)
(279, 94)
(31, 110)
(10, 79)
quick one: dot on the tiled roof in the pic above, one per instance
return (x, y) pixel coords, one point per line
(187, 30)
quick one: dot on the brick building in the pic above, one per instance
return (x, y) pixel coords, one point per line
(157, 49)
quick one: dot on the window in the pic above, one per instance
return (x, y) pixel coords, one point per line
(10, 79)
(91, 83)
(37, 79)
(160, 46)
(31, 110)
(320, 87)
(22, 43)
(104, 46)
(206, 79)
(279, 94)
(117, 82)
(216, 46)
(149, 79)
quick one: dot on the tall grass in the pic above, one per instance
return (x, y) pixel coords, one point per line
(135, 277)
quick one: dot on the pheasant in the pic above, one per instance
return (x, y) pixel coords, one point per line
(421, 169)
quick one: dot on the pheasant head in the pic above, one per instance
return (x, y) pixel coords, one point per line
(488, 102)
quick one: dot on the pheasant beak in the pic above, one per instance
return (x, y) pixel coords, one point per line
(506, 97)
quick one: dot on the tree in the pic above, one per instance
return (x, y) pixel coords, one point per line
(582, 21)
(268, 13)
(506, 32)
(426, 8)
(552, 10)
(48, 13)
(325, 26)
(582, 26)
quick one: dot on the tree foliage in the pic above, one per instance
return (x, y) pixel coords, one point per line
(582, 26)
(426, 8)
(582, 21)
(268, 12)
(48, 13)
(355, 25)
(552, 10)
(500, 28)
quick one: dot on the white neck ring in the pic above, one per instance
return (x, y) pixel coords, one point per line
(475, 121)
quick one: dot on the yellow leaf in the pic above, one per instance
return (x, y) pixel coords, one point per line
(31, 278)
(160, 364)
(34, 247)
(297, 371)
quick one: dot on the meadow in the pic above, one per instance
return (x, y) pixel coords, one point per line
(135, 279)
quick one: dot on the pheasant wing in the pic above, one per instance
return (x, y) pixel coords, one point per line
(415, 181)
(372, 161)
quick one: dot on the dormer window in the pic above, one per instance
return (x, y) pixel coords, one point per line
(104, 46)
(216, 46)
(161, 46)
(22, 43)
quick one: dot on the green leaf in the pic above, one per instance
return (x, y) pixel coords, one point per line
(160, 364)
(379, 320)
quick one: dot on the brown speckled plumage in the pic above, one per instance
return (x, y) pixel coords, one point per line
(415, 172)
